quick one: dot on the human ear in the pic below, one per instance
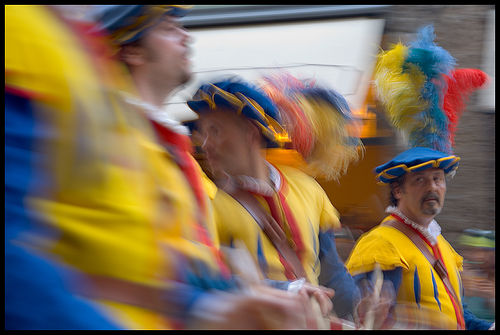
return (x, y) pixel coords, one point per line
(132, 55)
(397, 190)
(253, 132)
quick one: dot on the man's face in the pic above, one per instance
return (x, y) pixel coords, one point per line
(421, 196)
(224, 137)
(167, 51)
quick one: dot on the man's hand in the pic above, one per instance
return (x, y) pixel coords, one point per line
(322, 294)
(262, 308)
(379, 306)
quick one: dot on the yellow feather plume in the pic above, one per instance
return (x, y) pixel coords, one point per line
(331, 153)
(398, 89)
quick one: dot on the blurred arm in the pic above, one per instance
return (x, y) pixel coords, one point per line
(334, 275)
(472, 322)
(35, 293)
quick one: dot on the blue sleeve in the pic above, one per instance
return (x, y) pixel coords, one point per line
(36, 296)
(196, 280)
(474, 323)
(334, 275)
(394, 276)
(35, 293)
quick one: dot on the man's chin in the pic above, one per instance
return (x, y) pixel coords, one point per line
(187, 75)
(431, 210)
(185, 79)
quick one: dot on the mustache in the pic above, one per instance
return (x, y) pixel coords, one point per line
(431, 196)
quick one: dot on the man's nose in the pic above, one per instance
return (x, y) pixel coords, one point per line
(434, 185)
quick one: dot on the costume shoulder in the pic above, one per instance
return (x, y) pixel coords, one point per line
(42, 74)
(293, 172)
(374, 247)
(313, 194)
(301, 180)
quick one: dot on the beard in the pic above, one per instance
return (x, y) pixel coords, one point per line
(184, 70)
(431, 208)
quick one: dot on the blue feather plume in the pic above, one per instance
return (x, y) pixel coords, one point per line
(431, 127)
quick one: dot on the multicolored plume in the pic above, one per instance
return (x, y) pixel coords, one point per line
(280, 89)
(317, 123)
(412, 83)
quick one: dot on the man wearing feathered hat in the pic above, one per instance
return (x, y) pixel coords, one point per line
(419, 91)
(281, 214)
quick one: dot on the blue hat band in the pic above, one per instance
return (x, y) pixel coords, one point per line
(448, 164)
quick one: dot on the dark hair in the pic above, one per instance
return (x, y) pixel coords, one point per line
(398, 182)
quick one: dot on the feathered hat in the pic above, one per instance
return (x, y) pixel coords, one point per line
(423, 96)
(316, 119)
(244, 99)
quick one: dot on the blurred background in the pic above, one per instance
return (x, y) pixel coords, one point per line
(337, 46)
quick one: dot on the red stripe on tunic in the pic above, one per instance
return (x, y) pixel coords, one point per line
(290, 221)
(274, 213)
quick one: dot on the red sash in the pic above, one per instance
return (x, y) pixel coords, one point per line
(289, 219)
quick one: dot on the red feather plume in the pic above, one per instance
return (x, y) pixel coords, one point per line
(460, 84)
(281, 88)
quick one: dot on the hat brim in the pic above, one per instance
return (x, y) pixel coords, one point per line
(416, 159)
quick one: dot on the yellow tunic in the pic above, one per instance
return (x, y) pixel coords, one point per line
(311, 209)
(421, 286)
(116, 202)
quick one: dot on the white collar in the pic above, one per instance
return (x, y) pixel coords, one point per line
(274, 175)
(431, 233)
(156, 114)
(259, 186)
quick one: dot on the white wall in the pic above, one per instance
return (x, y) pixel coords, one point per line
(337, 52)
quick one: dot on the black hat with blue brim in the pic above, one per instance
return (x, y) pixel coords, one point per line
(413, 160)
(244, 99)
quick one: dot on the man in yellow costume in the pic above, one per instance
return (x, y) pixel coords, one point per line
(96, 184)
(413, 255)
(282, 215)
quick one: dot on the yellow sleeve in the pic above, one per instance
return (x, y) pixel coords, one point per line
(329, 217)
(373, 248)
(310, 188)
